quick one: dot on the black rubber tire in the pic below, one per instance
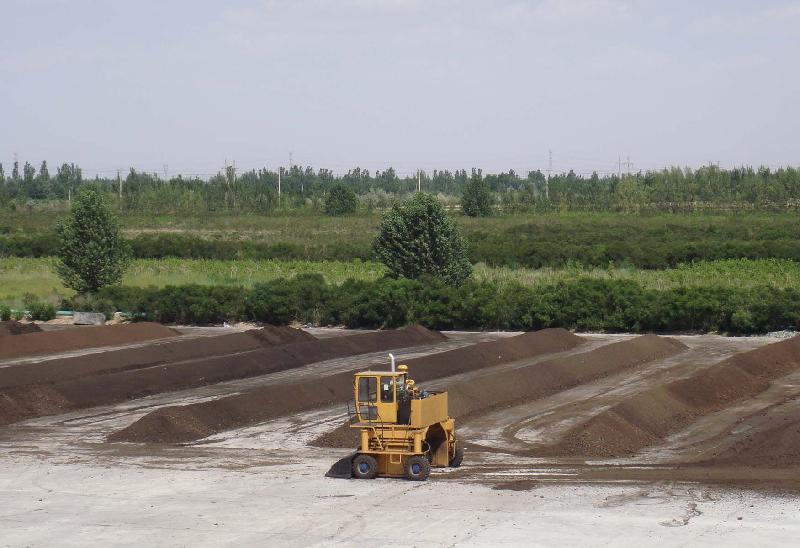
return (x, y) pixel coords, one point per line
(365, 467)
(458, 458)
(417, 468)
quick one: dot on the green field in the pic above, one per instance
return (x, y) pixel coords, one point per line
(533, 241)
(35, 276)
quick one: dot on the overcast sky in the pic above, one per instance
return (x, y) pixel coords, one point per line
(407, 83)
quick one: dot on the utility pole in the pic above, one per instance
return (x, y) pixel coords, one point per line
(419, 181)
(279, 186)
(619, 166)
(119, 189)
(549, 172)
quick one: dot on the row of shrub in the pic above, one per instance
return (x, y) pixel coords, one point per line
(35, 310)
(638, 248)
(159, 246)
(582, 304)
(636, 252)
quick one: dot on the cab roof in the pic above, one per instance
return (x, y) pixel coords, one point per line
(382, 373)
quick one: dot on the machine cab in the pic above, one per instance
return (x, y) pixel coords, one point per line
(378, 394)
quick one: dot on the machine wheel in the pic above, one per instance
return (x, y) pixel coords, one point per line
(458, 458)
(417, 468)
(365, 467)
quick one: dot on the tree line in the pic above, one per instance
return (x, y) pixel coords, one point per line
(708, 188)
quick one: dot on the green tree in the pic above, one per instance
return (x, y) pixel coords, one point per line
(419, 238)
(92, 252)
(28, 173)
(630, 195)
(341, 200)
(476, 201)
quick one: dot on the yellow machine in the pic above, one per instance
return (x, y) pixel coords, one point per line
(404, 430)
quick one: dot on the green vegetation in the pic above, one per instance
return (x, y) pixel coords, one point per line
(420, 239)
(255, 192)
(584, 304)
(548, 240)
(36, 276)
(340, 200)
(476, 201)
(41, 311)
(671, 250)
(737, 296)
(91, 251)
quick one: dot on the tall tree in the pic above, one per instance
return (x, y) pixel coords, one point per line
(28, 173)
(477, 198)
(419, 238)
(92, 252)
(44, 173)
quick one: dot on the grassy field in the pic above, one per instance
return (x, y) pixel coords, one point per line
(301, 226)
(35, 276)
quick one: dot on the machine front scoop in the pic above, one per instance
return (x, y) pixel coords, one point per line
(342, 468)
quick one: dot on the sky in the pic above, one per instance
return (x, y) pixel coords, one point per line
(184, 86)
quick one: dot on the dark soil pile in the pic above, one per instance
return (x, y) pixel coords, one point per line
(273, 335)
(160, 352)
(528, 383)
(51, 342)
(649, 417)
(513, 386)
(13, 327)
(117, 386)
(195, 421)
(488, 354)
(774, 445)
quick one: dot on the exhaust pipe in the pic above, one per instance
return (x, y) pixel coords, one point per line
(391, 357)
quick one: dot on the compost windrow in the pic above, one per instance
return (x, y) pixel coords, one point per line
(158, 353)
(503, 388)
(79, 338)
(185, 423)
(649, 417)
(21, 402)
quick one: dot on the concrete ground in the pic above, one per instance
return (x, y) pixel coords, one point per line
(124, 504)
(61, 484)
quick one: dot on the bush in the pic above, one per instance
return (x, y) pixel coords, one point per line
(91, 302)
(5, 313)
(420, 239)
(340, 200)
(582, 304)
(42, 311)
